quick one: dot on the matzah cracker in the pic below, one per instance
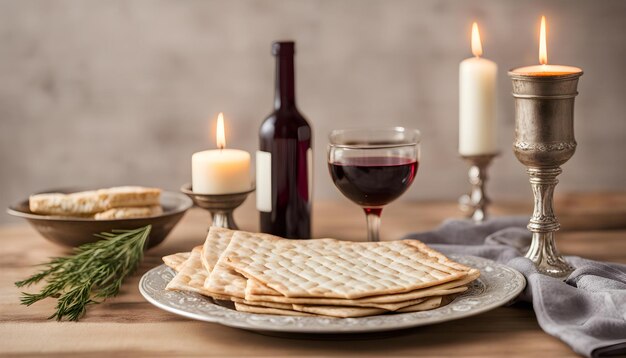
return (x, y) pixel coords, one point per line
(285, 302)
(354, 311)
(429, 304)
(176, 261)
(350, 312)
(223, 279)
(334, 311)
(242, 307)
(82, 203)
(364, 302)
(339, 311)
(282, 306)
(339, 269)
(93, 201)
(439, 290)
(129, 212)
(191, 277)
(216, 242)
(226, 282)
(389, 306)
(254, 287)
(125, 196)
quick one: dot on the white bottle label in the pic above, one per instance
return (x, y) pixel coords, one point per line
(264, 181)
(309, 159)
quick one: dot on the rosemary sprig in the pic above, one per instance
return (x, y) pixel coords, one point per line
(93, 273)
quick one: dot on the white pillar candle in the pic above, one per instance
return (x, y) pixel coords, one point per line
(220, 171)
(477, 93)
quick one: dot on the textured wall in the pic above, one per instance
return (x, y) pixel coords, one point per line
(113, 92)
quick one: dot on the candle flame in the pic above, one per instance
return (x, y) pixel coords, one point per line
(477, 47)
(221, 137)
(543, 50)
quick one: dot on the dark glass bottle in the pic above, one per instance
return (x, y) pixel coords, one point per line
(284, 160)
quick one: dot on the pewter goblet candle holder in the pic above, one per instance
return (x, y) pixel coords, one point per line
(476, 202)
(221, 206)
(544, 140)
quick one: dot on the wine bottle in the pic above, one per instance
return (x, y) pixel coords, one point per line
(284, 168)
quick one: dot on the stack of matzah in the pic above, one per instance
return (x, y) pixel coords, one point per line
(123, 202)
(262, 273)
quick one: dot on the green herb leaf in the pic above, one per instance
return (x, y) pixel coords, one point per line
(93, 273)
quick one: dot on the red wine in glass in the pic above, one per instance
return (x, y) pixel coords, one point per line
(373, 182)
(373, 167)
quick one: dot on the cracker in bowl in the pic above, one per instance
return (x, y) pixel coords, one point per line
(104, 204)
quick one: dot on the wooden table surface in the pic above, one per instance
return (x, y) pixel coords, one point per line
(594, 226)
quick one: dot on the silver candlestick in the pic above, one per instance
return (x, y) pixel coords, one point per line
(476, 202)
(544, 140)
(221, 206)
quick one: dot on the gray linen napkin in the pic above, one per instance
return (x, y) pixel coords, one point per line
(587, 311)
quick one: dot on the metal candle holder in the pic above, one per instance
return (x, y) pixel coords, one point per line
(544, 140)
(475, 203)
(221, 206)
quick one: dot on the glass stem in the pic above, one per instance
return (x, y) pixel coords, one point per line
(372, 215)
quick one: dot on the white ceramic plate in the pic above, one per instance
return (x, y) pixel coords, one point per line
(498, 284)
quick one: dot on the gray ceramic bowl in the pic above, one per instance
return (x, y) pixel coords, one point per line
(77, 231)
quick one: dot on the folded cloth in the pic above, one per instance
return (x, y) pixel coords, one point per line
(587, 311)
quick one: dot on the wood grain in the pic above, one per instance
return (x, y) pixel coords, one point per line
(128, 325)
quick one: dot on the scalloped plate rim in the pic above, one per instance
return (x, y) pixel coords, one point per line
(403, 320)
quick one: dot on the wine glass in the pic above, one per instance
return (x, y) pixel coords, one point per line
(373, 167)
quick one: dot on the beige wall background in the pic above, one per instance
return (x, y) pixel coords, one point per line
(100, 93)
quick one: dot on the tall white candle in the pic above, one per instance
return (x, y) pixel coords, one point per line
(477, 93)
(220, 171)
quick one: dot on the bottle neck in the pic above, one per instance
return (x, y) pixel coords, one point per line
(285, 96)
